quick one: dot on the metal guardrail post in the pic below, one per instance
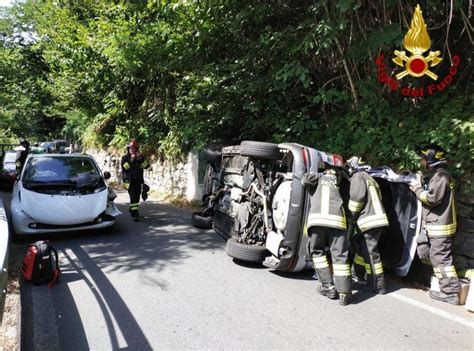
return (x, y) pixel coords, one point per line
(4, 243)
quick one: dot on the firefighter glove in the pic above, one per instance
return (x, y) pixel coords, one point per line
(310, 181)
(423, 251)
(422, 237)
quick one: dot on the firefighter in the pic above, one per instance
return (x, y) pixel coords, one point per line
(327, 228)
(369, 217)
(439, 222)
(133, 164)
(21, 154)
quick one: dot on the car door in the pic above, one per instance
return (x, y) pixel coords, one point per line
(398, 242)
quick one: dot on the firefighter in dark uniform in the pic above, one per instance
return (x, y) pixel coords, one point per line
(133, 164)
(21, 154)
(368, 214)
(439, 222)
(327, 227)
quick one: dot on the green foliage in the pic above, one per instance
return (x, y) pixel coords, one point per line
(178, 75)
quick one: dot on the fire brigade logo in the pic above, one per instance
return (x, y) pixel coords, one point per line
(417, 41)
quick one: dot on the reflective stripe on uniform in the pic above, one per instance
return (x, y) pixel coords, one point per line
(423, 197)
(320, 262)
(355, 206)
(359, 260)
(341, 270)
(375, 199)
(144, 164)
(134, 206)
(378, 268)
(450, 272)
(367, 268)
(443, 229)
(126, 185)
(316, 219)
(437, 273)
(126, 166)
(378, 220)
(445, 272)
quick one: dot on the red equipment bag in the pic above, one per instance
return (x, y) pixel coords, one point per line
(40, 264)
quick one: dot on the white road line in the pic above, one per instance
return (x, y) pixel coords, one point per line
(434, 310)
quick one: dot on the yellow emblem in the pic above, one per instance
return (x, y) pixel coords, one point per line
(417, 41)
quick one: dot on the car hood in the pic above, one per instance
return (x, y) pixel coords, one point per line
(63, 209)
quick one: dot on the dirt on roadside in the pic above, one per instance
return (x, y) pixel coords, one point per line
(10, 328)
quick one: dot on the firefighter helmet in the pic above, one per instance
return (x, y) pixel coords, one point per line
(357, 163)
(333, 175)
(133, 144)
(433, 154)
(24, 143)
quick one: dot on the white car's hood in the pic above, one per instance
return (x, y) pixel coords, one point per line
(63, 209)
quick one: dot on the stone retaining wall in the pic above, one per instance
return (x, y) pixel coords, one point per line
(180, 179)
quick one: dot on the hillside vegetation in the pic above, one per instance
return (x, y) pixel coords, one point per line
(178, 75)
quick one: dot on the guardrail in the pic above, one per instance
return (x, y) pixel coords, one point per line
(4, 241)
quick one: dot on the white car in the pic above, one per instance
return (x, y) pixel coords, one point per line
(59, 193)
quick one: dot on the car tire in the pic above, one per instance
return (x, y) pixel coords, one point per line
(211, 156)
(245, 252)
(203, 222)
(258, 149)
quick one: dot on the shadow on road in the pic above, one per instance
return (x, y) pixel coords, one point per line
(111, 305)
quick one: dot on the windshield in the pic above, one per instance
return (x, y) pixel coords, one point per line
(57, 169)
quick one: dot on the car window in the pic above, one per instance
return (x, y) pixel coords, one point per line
(10, 157)
(56, 169)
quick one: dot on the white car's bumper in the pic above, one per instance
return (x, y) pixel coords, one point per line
(24, 224)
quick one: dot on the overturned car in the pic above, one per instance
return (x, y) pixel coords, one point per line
(261, 206)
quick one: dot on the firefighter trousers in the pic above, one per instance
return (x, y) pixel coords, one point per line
(441, 256)
(368, 258)
(134, 191)
(338, 244)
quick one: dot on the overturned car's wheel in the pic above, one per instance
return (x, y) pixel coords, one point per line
(244, 252)
(211, 156)
(258, 149)
(199, 221)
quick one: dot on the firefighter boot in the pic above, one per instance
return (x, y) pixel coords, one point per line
(453, 299)
(359, 269)
(328, 290)
(345, 299)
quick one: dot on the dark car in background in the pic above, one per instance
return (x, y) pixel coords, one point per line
(49, 145)
(61, 146)
(8, 171)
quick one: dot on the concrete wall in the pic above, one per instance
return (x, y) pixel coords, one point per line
(174, 179)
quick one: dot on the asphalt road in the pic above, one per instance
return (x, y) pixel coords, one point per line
(162, 284)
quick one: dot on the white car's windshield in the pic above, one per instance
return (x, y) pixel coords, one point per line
(56, 169)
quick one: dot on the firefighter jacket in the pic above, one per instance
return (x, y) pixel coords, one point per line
(326, 209)
(439, 209)
(365, 202)
(132, 171)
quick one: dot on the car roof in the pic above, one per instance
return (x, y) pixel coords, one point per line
(60, 155)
